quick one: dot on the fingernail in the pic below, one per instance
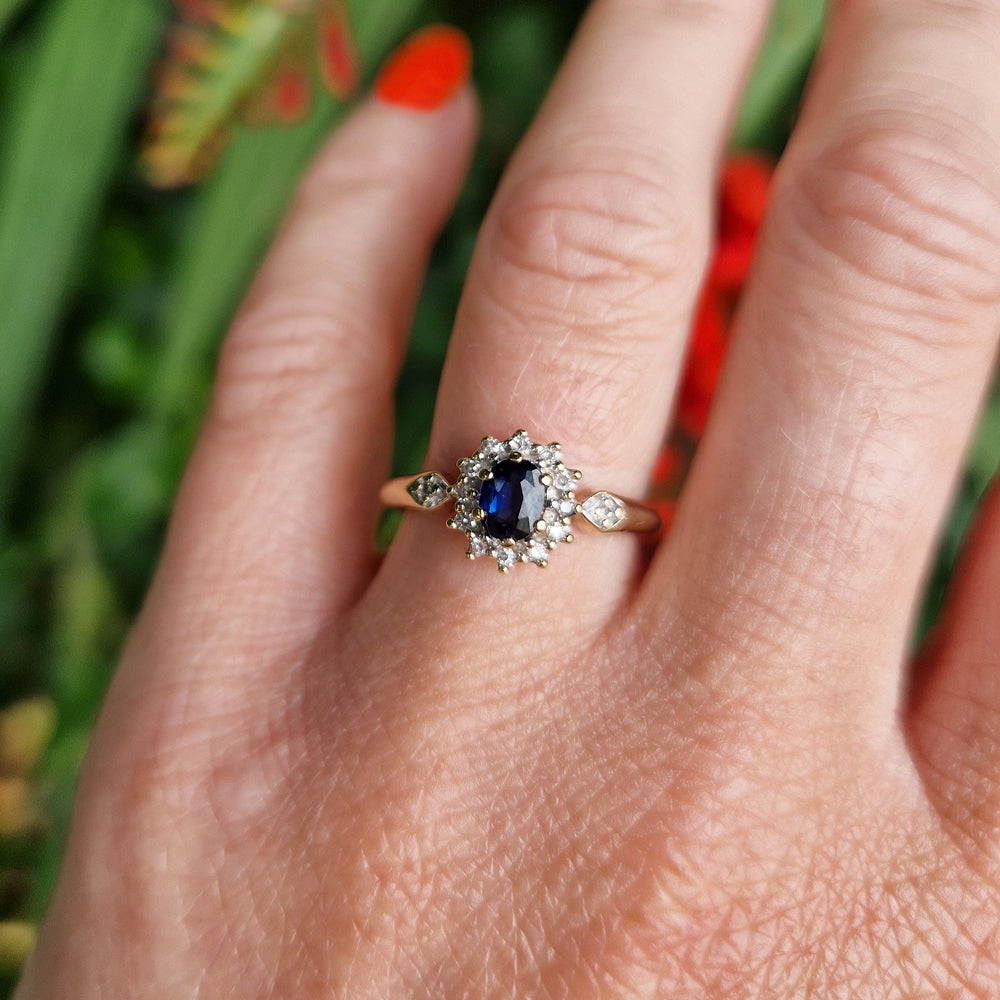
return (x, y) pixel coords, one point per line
(427, 69)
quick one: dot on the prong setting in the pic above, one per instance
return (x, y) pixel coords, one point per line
(604, 511)
(429, 490)
(480, 500)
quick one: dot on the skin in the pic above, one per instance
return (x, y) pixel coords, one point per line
(715, 776)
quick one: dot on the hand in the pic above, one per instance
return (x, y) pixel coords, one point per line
(709, 777)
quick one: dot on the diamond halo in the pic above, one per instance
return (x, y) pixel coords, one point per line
(551, 529)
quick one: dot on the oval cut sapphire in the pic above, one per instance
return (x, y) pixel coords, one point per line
(513, 500)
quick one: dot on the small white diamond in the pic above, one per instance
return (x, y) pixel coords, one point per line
(548, 454)
(522, 443)
(464, 521)
(478, 546)
(470, 468)
(467, 488)
(604, 511)
(430, 490)
(566, 507)
(506, 557)
(538, 552)
(564, 479)
(556, 530)
(491, 449)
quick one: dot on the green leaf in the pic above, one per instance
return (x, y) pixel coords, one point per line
(771, 94)
(65, 134)
(237, 212)
(239, 209)
(985, 453)
(8, 8)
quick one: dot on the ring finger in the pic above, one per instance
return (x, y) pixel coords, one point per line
(584, 277)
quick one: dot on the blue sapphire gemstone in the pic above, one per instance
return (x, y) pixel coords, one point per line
(513, 500)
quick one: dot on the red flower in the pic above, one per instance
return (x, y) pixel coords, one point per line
(664, 506)
(742, 197)
(704, 360)
(743, 190)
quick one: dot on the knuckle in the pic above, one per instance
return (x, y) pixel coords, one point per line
(910, 217)
(602, 225)
(354, 173)
(228, 762)
(578, 253)
(295, 359)
(302, 342)
(345, 185)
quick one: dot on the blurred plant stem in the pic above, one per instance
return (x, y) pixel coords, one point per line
(8, 8)
(64, 140)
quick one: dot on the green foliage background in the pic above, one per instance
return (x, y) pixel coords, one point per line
(113, 300)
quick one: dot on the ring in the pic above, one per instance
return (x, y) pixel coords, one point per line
(515, 501)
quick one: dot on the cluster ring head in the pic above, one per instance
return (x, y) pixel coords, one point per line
(514, 500)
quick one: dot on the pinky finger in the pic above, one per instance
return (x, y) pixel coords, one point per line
(954, 719)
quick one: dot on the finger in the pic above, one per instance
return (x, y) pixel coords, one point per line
(862, 352)
(954, 719)
(277, 508)
(585, 273)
